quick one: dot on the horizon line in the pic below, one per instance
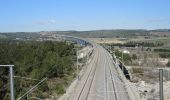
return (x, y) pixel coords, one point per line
(86, 30)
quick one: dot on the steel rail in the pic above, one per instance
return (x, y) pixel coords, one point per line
(113, 84)
(85, 83)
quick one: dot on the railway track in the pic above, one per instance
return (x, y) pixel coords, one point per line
(109, 78)
(100, 80)
(85, 90)
(105, 84)
(113, 83)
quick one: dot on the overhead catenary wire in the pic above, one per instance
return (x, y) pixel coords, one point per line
(30, 90)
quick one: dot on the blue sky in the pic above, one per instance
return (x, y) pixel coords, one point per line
(53, 15)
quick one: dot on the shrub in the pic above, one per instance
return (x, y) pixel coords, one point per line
(60, 89)
(137, 71)
(168, 64)
(134, 57)
(162, 50)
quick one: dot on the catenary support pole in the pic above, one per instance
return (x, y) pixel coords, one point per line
(122, 61)
(161, 83)
(77, 65)
(11, 76)
(11, 82)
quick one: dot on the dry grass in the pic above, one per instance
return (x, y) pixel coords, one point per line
(149, 75)
(106, 40)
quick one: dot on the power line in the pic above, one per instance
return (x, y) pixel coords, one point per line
(30, 90)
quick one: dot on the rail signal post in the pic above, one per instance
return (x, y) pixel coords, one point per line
(11, 79)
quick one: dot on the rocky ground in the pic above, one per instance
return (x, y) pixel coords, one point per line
(147, 85)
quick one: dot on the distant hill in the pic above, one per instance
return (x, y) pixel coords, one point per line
(104, 33)
(123, 33)
(19, 35)
(161, 30)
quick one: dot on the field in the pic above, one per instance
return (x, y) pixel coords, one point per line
(106, 40)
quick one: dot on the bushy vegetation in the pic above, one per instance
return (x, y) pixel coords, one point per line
(127, 59)
(134, 57)
(138, 43)
(162, 50)
(164, 55)
(168, 64)
(36, 60)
